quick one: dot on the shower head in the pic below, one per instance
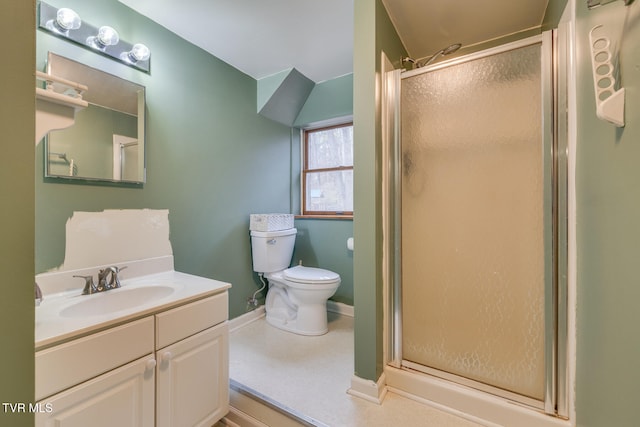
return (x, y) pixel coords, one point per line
(446, 51)
(452, 48)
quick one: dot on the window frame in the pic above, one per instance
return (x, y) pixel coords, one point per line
(305, 171)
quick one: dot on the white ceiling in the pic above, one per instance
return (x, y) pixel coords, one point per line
(264, 37)
(426, 26)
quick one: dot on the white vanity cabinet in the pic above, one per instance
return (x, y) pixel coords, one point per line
(170, 368)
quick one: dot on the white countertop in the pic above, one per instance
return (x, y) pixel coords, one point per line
(52, 327)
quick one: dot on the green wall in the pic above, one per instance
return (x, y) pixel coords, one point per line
(327, 101)
(373, 33)
(323, 242)
(608, 232)
(17, 126)
(211, 159)
(553, 14)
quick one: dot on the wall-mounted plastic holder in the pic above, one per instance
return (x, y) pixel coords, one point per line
(609, 101)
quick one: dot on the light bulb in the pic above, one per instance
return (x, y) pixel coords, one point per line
(139, 52)
(68, 19)
(107, 36)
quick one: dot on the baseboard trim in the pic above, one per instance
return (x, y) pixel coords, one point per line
(340, 308)
(245, 319)
(369, 390)
(258, 313)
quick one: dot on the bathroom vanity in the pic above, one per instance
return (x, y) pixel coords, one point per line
(152, 353)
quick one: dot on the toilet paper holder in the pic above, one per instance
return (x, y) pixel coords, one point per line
(350, 243)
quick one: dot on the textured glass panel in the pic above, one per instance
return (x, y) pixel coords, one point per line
(330, 148)
(330, 191)
(472, 221)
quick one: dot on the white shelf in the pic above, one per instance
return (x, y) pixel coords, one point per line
(61, 99)
(57, 104)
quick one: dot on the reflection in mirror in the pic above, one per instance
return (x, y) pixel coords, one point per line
(106, 143)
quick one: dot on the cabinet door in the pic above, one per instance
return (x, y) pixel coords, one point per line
(122, 397)
(193, 380)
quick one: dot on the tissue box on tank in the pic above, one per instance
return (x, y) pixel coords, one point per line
(270, 222)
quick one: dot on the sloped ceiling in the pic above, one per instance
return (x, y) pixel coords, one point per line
(265, 37)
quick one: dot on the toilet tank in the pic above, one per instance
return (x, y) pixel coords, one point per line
(272, 250)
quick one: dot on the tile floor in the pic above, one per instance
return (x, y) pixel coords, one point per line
(309, 376)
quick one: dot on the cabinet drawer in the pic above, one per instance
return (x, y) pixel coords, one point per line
(181, 322)
(68, 364)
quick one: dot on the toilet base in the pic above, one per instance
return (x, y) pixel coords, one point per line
(310, 319)
(290, 326)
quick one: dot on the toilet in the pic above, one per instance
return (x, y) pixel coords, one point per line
(297, 296)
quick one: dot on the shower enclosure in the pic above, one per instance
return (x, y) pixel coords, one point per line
(477, 183)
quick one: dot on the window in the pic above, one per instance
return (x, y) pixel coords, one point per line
(327, 171)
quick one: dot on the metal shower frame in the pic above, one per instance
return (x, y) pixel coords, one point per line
(554, 52)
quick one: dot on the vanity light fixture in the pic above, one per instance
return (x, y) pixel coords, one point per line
(66, 23)
(106, 36)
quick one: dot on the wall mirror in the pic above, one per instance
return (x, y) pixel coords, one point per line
(106, 143)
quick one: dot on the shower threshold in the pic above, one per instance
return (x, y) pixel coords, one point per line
(481, 407)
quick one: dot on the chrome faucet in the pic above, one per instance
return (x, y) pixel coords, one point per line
(89, 286)
(110, 273)
(107, 279)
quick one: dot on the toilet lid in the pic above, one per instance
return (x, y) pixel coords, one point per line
(301, 274)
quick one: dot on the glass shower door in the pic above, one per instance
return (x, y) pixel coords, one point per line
(474, 256)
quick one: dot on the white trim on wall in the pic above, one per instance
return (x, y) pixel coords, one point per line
(369, 390)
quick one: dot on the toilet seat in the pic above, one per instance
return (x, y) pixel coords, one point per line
(310, 275)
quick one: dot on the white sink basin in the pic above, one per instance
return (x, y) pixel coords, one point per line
(65, 314)
(116, 300)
